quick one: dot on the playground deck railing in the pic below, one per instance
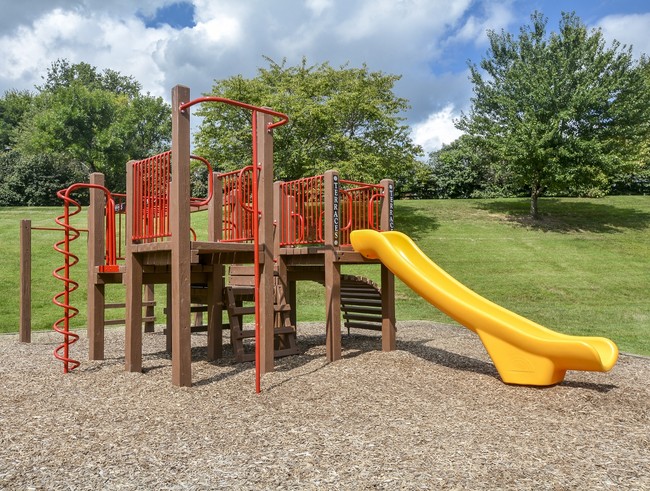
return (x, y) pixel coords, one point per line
(360, 207)
(237, 205)
(151, 200)
(305, 211)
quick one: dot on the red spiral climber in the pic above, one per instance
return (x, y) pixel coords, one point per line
(62, 299)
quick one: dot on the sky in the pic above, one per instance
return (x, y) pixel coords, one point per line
(162, 43)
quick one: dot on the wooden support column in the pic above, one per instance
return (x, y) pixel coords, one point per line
(168, 318)
(281, 266)
(150, 311)
(133, 279)
(332, 267)
(179, 224)
(215, 284)
(388, 331)
(96, 257)
(25, 335)
(265, 200)
(283, 222)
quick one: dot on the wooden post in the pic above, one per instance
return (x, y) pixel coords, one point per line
(332, 267)
(215, 283)
(265, 200)
(168, 318)
(96, 255)
(215, 210)
(388, 331)
(133, 278)
(179, 224)
(280, 223)
(25, 335)
(150, 311)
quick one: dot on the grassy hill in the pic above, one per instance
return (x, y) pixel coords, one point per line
(583, 269)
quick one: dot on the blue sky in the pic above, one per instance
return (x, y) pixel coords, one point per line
(165, 42)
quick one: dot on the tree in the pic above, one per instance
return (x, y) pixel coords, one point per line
(93, 121)
(347, 119)
(559, 112)
(33, 180)
(13, 106)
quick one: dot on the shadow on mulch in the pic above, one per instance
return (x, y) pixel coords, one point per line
(353, 345)
(448, 359)
(603, 388)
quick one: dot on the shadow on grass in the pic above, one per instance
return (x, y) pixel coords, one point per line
(563, 216)
(414, 222)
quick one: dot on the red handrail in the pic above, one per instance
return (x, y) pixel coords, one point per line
(284, 119)
(196, 202)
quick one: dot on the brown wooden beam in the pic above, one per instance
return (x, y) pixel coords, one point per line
(332, 267)
(96, 255)
(25, 334)
(265, 200)
(179, 222)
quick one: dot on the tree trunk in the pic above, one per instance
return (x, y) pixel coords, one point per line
(535, 193)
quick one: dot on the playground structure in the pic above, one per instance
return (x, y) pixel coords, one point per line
(268, 236)
(262, 238)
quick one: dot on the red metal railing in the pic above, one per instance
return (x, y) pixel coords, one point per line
(302, 210)
(237, 205)
(151, 196)
(71, 233)
(151, 188)
(120, 224)
(360, 208)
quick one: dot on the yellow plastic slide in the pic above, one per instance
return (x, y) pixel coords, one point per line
(523, 352)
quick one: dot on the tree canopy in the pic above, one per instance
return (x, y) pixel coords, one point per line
(347, 119)
(80, 120)
(559, 112)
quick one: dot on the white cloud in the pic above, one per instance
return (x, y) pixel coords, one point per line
(427, 42)
(408, 17)
(629, 29)
(437, 130)
(317, 7)
(498, 15)
(106, 42)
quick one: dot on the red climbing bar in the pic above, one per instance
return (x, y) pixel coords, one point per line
(71, 233)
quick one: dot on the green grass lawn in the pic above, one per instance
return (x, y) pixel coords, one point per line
(583, 269)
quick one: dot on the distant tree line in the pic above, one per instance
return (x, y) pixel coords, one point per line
(78, 121)
(552, 114)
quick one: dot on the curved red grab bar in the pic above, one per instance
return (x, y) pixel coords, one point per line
(284, 119)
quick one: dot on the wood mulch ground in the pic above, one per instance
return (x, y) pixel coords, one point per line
(431, 415)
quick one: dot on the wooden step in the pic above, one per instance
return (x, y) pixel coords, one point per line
(241, 310)
(361, 304)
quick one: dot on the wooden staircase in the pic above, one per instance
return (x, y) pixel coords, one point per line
(360, 303)
(239, 299)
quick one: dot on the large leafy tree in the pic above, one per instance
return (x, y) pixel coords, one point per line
(346, 119)
(95, 121)
(13, 106)
(558, 112)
